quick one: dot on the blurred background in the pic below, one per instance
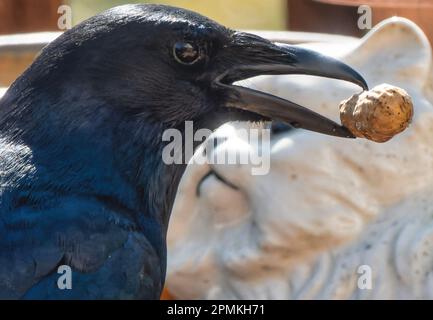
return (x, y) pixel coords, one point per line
(329, 16)
(318, 16)
(28, 25)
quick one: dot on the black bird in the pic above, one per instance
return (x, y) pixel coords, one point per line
(82, 182)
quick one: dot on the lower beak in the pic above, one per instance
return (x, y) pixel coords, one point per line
(256, 56)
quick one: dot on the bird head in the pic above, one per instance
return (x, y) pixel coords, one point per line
(169, 65)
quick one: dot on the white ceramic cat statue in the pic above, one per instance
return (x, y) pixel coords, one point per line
(334, 218)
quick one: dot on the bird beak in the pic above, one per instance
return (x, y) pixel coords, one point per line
(251, 56)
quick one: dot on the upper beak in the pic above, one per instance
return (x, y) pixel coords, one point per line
(252, 56)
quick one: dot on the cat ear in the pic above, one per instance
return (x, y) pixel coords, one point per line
(396, 49)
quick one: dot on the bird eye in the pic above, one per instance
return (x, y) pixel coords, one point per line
(186, 53)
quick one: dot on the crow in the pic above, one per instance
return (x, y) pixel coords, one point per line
(82, 180)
